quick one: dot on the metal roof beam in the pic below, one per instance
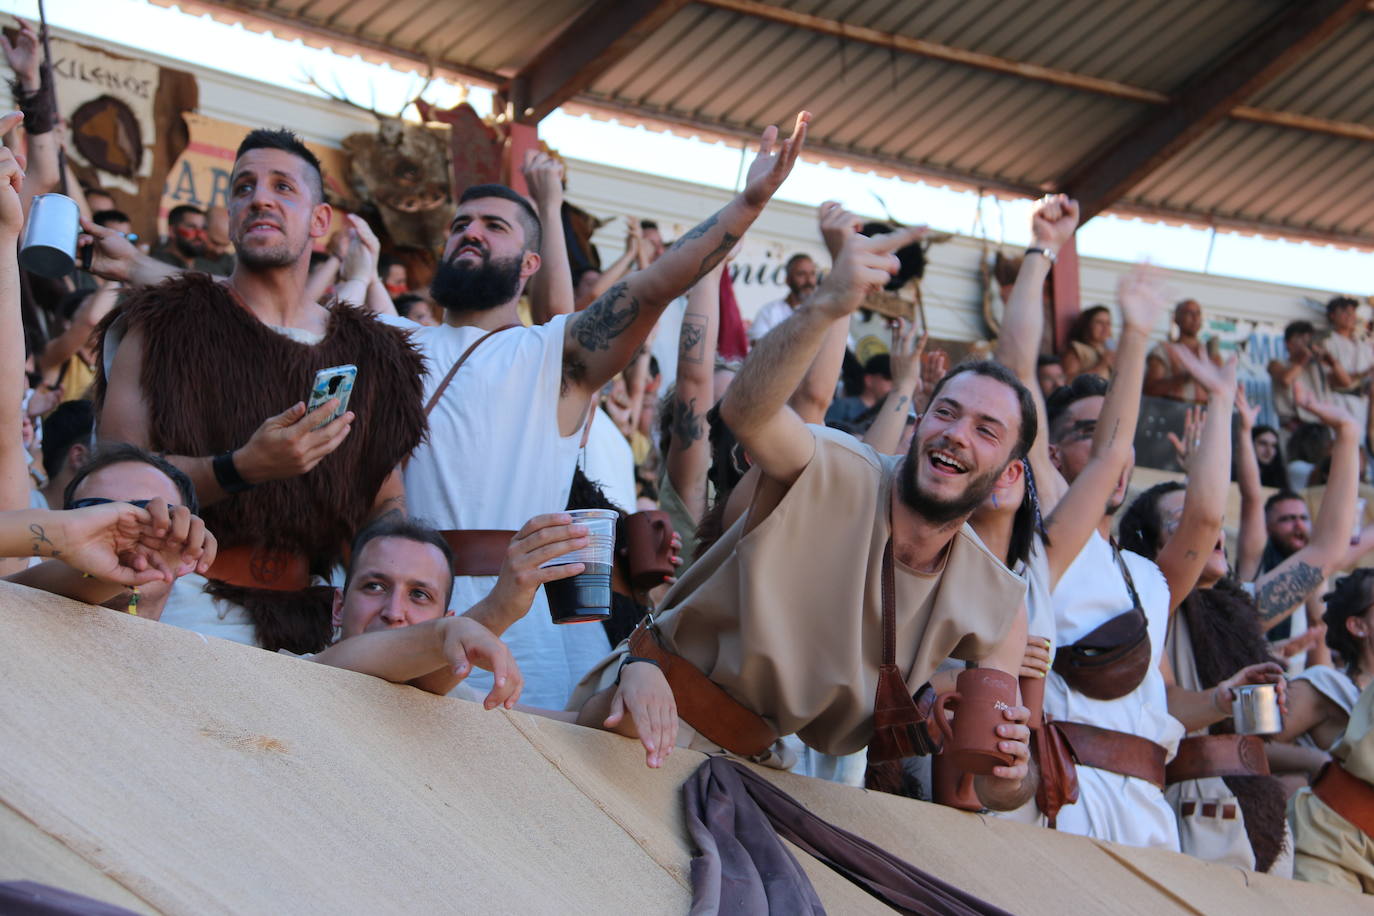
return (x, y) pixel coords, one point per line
(596, 40)
(1107, 174)
(936, 51)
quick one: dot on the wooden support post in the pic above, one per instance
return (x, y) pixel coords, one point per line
(522, 137)
(1064, 289)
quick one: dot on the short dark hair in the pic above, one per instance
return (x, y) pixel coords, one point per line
(1141, 527)
(285, 140)
(1279, 497)
(405, 302)
(1296, 328)
(1087, 385)
(396, 525)
(1048, 359)
(105, 217)
(124, 453)
(799, 256)
(529, 220)
(179, 213)
(647, 224)
(1000, 373)
(1340, 302)
(66, 426)
(879, 364)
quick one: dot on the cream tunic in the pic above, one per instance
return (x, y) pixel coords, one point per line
(788, 617)
(1330, 849)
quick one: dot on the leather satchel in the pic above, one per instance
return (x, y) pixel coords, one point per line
(1058, 773)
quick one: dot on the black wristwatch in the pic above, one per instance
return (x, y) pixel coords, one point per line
(630, 660)
(227, 475)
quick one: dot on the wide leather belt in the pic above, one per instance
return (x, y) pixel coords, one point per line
(258, 567)
(478, 551)
(703, 704)
(1349, 796)
(1117, 752)
(1218, 755)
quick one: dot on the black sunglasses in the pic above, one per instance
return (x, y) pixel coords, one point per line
(100, 501)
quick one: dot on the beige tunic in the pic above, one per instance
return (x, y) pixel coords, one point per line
(1330, 849)
(788, 618)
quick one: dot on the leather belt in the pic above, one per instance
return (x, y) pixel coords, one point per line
(257, 567)
(1116, 752)
(702, 703)
(478, 551)
(1349, 796)
(1218, 755)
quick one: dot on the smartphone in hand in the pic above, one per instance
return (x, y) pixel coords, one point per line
(334, 382)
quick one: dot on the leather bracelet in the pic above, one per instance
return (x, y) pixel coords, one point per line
(630, 660)
(1043, 252)
(227, 475)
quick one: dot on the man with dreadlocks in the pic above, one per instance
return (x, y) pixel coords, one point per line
(214, 374)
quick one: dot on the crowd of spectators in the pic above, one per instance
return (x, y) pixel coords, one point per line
(166, 459)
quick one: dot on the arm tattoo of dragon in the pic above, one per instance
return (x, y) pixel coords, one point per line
(1286, 590)
(687, 423)
(606, 318)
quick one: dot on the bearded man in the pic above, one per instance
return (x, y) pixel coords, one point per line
(779, 628)
(507, 404)
(194, 367)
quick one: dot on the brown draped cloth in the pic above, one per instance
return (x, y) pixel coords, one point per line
(735, 818)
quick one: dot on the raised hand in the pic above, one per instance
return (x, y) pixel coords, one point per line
(865, 264)
(113, 256)
(907, 350)
(544, 175)
(1053, 221)
(1142, 297)
(1247, 412)
(1193, 422)
(11, 182)
(774, 162)
(543, 538)
(1213, 378)
(359, 261)
(837, 225)
(1325, 411)
(23, 55)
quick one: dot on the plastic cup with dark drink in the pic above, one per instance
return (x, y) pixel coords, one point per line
(587, 595)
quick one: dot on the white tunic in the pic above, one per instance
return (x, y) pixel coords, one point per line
(1110, 806)
(494, 459)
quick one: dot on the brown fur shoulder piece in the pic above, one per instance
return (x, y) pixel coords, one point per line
(212, 373)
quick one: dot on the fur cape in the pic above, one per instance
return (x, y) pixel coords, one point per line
(1226, 636)
(212, 373)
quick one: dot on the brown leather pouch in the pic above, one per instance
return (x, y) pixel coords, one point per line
(1109, 662)
(1058, 774)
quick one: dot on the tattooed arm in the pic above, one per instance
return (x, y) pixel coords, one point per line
(689, 451)
(755, 406)
(600, 341)
(1279, 591)
(885, 435)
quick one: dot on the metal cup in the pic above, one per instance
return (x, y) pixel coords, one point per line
(1256, 710)
(49, 246)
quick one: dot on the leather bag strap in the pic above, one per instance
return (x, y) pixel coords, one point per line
(443, 386)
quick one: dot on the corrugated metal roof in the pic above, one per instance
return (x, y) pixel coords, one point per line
(1008, 96)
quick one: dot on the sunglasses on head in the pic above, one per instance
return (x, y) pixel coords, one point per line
(100, 501)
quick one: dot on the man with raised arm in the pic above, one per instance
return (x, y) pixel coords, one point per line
(507, 404)
(215, 375)
(778, 628)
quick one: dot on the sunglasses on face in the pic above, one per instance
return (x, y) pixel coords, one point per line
(100, 501)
